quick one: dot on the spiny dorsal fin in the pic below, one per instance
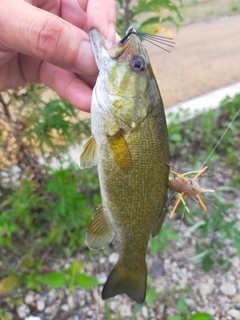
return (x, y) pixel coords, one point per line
(120, 151)
(88, 156)
(100, 232)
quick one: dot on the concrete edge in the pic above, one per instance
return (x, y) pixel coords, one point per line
(190, 108)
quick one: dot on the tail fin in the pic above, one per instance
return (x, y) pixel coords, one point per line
(125, 280)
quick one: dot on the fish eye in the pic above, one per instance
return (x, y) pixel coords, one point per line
(138, 64)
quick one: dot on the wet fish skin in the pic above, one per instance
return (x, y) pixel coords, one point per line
(129, 144)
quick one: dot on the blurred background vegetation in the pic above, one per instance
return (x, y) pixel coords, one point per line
(46, 202)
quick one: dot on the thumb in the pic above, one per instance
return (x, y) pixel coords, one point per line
(35, 32)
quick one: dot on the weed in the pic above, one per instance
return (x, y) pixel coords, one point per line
(184, 313)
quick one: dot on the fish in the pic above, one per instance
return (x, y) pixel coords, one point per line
(129, 145)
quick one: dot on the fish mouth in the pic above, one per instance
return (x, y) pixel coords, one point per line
(104, 50)
(98, 46)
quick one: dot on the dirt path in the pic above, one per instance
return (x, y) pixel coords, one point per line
(206, 57)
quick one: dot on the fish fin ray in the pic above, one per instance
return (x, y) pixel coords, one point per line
(120, 151)
(88, 155)
(100, 232)
(124, 280)
(158, 224)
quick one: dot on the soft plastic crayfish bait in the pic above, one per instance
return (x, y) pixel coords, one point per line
(187, 187)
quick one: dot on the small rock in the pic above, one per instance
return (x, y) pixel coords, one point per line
(125, 310)
(238, 284)
(50, 309)
(191, 267)
(101, 277)
(71, 302)
(90, 313)
(23, 311)
(157, 268)
(160, 309)
(113, 258)
(231, 278)
(113, 305)
(32, 318)
(81, 303)
(81, 294)
(89, 267)
(65, 307)
(235, 314)
(190, 302)
(229, 289)
(144, 311)
(37, 296)
(237, 306)
(40, 305)
(205, 289)
(102, 260)
(175, 277)
(236, 298)
(61, 294)
(30, 298)
(52, 295)
(167, 261)
(211, 311)
(225, 306)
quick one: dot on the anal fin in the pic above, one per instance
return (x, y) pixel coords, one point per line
(88, 156)
(100, 232)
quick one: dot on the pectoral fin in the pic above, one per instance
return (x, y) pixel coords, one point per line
(120, 151)
(100, 232)
(88, 156)
(158, 224)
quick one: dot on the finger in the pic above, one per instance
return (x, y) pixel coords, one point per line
(67, 85)
(73, 13)
(52, 6)
(102, 17)
(46, 36)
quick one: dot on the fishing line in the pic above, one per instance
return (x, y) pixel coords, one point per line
(215, 147)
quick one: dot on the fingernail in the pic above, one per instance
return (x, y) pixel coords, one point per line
(86, 62)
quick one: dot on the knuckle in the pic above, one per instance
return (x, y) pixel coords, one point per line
(48, 42)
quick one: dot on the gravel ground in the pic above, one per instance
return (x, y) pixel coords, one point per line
(174, 273)
(215, 293)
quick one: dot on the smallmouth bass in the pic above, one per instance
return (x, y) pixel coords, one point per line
(129, 145)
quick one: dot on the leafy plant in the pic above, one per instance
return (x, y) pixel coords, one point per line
(147, 15)
(184, 313)
(161, 242)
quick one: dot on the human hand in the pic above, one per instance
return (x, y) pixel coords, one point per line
(36, 45)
